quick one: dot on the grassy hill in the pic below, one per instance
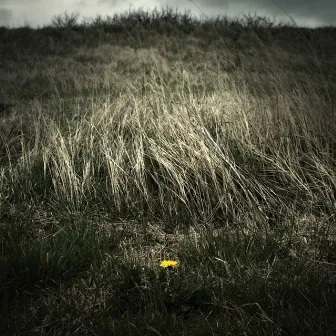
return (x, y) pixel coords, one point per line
(148, 136)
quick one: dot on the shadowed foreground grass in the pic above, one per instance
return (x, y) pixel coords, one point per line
(153, 137)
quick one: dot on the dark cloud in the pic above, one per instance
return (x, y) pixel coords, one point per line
(6, 16)
(321, 10)
(312, 10)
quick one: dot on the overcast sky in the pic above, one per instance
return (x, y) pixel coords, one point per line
(311, 13)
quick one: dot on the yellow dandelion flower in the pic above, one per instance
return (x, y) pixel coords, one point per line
(169, 263)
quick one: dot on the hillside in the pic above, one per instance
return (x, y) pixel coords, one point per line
(150, 136)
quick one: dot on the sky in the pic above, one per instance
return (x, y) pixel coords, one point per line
(308, 13)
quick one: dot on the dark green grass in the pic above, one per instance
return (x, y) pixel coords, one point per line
(232, 283)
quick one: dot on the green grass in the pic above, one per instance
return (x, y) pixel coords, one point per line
(152, 136)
